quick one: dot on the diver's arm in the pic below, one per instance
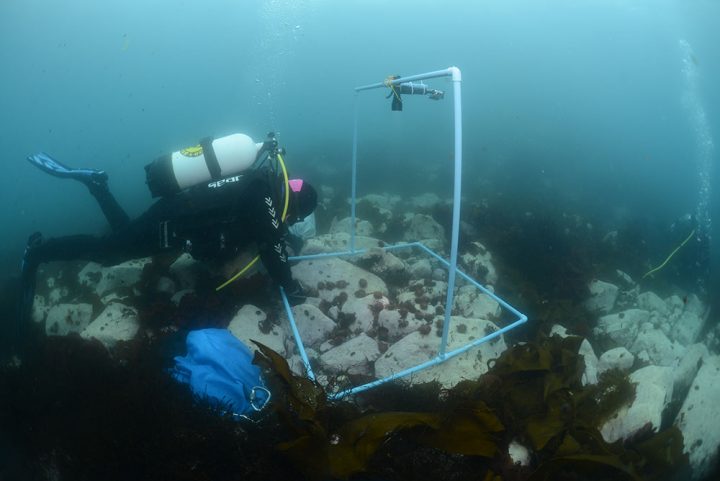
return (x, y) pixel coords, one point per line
(270, 234)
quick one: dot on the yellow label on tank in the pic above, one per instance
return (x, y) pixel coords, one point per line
(194, 151)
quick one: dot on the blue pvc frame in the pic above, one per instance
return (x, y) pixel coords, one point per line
(453, 271)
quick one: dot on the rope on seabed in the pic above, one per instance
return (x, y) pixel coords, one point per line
(650, 272)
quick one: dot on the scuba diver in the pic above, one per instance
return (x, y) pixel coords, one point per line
(217, 198)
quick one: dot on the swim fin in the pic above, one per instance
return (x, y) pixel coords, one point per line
(53, 167)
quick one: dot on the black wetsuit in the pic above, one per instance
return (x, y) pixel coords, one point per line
(213, 221)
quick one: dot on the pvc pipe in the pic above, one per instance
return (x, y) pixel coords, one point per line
(456, 211)
(439, 359)
(354, 176)
(453, 72)
(296, 334)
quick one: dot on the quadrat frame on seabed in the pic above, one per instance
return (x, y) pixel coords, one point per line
(451, 264)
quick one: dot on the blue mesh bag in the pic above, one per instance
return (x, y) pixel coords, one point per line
(218, 366)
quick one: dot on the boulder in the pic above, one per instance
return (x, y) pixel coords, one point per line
(39, 309)
(313, 326)
(426, 202)
(250, 324)
(105, 279)
(618, 358)
(353, 357)
(419, 227)
(185, 269)
(396, 326)
(688, 366)
(362, 227)
(472, 302)
(477, 262)
(622, 327)
(422, 269)
(699, 419)
(652, 303)
(590, 375)
(417, 347)
(661, 351)
(364, 310)
(382, 263)
(602, 297)
(117, 322)
(653, 392)
(339, 242)
(332, 276)
(63, 319)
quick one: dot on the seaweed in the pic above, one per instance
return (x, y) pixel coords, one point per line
(532, 393)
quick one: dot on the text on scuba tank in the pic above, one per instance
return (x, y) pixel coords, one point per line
(221, 182)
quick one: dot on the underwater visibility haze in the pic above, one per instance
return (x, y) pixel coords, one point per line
(589, 202)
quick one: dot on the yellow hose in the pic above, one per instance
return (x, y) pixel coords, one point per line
(670, 256)
(284, 216)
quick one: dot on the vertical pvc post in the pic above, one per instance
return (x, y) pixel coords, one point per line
(456, 208)
(354, 177)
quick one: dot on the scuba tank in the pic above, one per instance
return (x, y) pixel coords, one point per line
(211, 159)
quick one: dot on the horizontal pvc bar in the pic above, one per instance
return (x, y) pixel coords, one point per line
(453, 72)
(433, 362)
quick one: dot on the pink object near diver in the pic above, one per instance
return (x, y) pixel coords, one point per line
(295, 184)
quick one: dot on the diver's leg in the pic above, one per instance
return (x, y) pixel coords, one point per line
(115, 215)
(95, 180)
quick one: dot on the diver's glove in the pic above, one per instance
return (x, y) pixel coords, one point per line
(294, 293)
(296, 243)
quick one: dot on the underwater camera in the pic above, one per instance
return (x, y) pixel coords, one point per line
(409, 88)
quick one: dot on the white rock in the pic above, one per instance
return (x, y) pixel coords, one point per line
(396, 326)
(313, 326)
(425, 201)
(362, 309)
(39, 309)
(362, 227)
(382, 263)
(558, 330)
(651, 302)
(381, 201)
(185, 269)
(478, 264)
(660, 349)
(686, 330)
(56, 295)
(178, 296)
(90, 275)
(475, 304)
(116, 323)
(688, 366)
(311, 273)
(602, 297)
(123, 275)
(413, 349)
(246, 327)
(439, 274)
(618, 358)
(699, 419)
(354, 356)
(416, 348)
(166, 285)
(421, 269)
(653, 392)
(419, 227)
(590, 376)
(622, 327)
(66, 318)
(339, 242)
(519, 454)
